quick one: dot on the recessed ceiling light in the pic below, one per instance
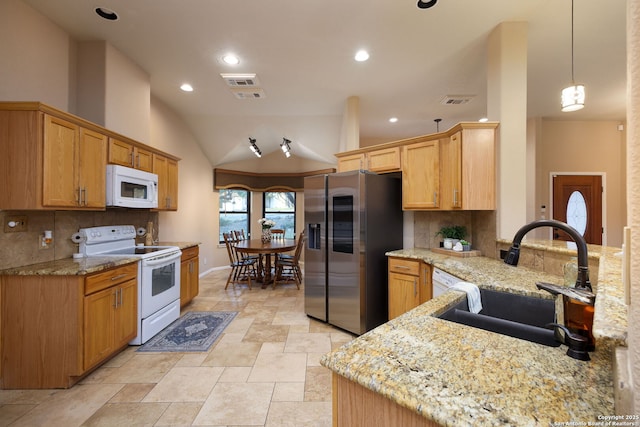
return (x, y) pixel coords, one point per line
(483, 120)
(362, 55)
(186, 87)
(393, 119)
(107, 14)
(231, 59)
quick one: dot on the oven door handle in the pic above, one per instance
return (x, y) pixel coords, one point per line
(165, 259)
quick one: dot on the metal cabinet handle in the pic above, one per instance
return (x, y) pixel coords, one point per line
(120, 297)
(455, 197)
(435, 198)
(115, 299)
(402, 267)
(118, 277)
(415, 287)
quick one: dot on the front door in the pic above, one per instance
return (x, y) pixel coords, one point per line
(577, 200)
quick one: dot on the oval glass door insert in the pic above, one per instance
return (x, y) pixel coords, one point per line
(577, 212)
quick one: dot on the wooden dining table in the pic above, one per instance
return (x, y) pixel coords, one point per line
(256, 246)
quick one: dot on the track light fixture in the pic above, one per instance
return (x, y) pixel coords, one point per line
(286, 148)
(253, 147)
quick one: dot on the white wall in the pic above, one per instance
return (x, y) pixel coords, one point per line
(37, 58)
(197, 217)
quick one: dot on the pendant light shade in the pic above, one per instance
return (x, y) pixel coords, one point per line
(573, 96)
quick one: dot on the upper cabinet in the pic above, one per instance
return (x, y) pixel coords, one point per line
(74, 166)
(167, 171)
(421, 175)
(451, 170)
(126, 154)
(352, 162)
(50, 159)
(381, 161)
(469, 179)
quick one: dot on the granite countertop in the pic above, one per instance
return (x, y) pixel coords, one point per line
(80, 266)
(461, 376)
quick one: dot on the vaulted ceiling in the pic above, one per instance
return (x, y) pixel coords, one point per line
(303, 55)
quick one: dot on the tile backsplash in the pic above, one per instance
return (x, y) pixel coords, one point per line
(23, 247)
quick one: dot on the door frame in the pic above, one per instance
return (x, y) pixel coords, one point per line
(603, 175)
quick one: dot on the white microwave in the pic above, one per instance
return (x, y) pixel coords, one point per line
(131, 188)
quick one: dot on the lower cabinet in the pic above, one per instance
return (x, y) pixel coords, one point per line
(110, 321)
(409, 285)
(56, 328)
(355, 405)
(189, 272)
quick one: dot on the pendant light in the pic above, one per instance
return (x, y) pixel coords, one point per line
(572, 96)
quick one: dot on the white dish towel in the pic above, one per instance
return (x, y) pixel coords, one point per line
(473, 295)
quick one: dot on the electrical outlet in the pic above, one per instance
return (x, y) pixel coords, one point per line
(14, 223)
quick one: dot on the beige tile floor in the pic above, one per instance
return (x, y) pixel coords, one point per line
(263, 371)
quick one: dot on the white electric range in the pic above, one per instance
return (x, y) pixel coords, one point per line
(158, 274)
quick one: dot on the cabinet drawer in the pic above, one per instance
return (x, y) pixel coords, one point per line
(189, 253)
(404, 266)
(105, 279)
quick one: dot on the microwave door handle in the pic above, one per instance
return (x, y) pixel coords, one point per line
(154, 189)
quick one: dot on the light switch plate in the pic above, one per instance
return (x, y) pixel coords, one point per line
(14, 223)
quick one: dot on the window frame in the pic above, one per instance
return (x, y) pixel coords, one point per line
(246, 213)
(293, 214)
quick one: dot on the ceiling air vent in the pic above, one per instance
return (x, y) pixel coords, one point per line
(240, 80)
(255, 93)
(456, 99)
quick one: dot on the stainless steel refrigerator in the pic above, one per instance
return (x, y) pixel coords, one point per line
(352, 219)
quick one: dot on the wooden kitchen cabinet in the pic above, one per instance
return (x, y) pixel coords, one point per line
(48, 162)
(126, 154)
(351, 162)
(50, 159)
(74, 166)
(384, 160)
(167, 171)
(421, 175)
(409, 285)
(468, 170)
(56, 328)
(189, 275)
(110, 313)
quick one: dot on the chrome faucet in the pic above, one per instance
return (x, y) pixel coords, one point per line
(582, 282)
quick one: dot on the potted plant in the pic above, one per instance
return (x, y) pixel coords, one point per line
(466, 246)
(452, 234)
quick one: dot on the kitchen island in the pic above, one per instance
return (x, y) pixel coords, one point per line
(455, 375)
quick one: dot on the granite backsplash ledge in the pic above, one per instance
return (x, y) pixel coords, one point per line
(23, 247)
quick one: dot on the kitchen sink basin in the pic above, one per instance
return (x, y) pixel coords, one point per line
(509, 314)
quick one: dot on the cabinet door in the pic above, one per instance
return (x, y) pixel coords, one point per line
(143, 159)
(98, 326)
(172, 185)
(403, 294)
(59, 178)
(421, 175)
(92, 169)
(478, 169)
(126, 313)
(352, 162)
(120, 153)
(426, 287)
(384, 160)
(450, 161)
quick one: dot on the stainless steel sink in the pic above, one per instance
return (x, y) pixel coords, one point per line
(509, 314)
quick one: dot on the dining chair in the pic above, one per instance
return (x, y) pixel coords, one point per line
(289, 256)
(288, 269)
(241, 269)
(277, 233)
